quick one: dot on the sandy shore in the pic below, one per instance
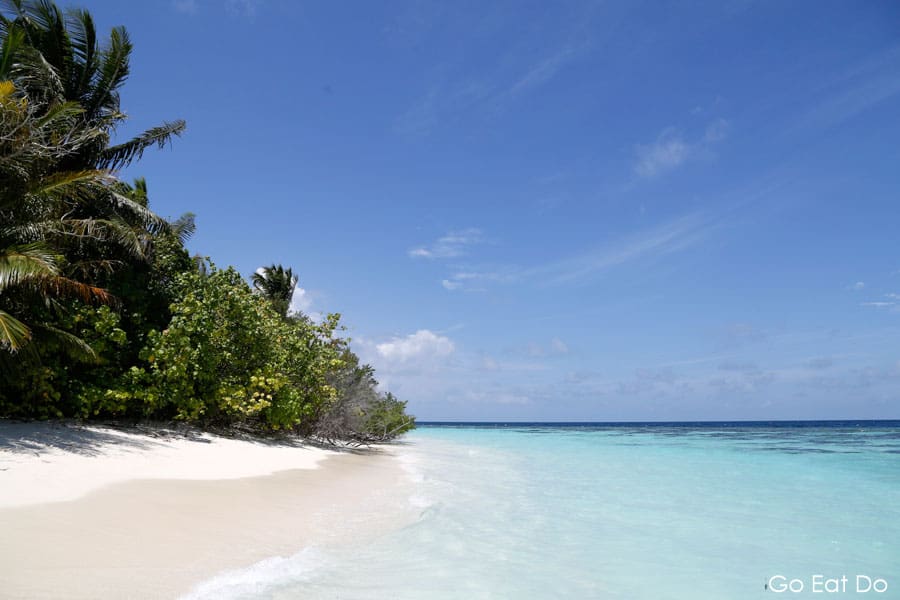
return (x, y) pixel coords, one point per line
(101, 513)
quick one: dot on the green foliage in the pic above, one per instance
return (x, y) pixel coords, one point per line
(227, 357)
(386, 418)
(360, 412)
(103, 312)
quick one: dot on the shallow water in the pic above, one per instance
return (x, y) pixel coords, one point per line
(678, 511)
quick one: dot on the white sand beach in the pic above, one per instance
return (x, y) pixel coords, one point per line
(93, 512)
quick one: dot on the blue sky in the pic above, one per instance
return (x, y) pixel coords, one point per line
(553, 211)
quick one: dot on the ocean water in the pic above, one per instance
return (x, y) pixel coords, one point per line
(630, 511)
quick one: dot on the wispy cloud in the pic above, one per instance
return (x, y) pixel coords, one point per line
(188, 7)
(667, 238)
(671, 149)
(240, 8)
(243, 8)
(879, 304)
(555, 347)
(857, 286)
(452, 245)
(544, 70)
(863, 87)
(664, 239)
(667, 152)
(475, 280)
(892, 303)
(489, 95)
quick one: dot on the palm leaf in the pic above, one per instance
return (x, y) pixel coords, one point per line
(59, 113)
(13, 39)
(63, 287)
(116, 157)
(71, 344)
(84, 46)
(13, 333)
(26, 262)
(184, 227)
(153, 222)
(36, 73)
(67, 185)
(104, 231)
(112, 73)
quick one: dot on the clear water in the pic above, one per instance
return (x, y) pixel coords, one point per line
(686, 511)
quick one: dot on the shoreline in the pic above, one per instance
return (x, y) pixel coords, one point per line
(105, 531)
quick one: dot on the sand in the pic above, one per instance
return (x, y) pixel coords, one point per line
(102, 513)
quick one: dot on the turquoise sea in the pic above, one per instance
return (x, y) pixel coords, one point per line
(630, 511)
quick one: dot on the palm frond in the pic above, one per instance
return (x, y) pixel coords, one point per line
(27, 262)
(63, 232)
(71, 344)
(13, 333)
(94, 267)
(55, 45)
(36, 73)
(153, 222)
(116, 157)
(13, 40)
(70, 185)
(84, 47)
(184, 226)
(59, 113)
(63, 287)
(112, 73)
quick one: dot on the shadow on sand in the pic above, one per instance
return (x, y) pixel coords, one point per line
(33, 438)
(90, 440)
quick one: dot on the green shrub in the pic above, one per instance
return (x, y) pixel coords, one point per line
(227, 356)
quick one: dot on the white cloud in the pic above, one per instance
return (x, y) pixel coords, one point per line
(423, 344)
(302, 302)
(452, 245)
(666, 153)
(557, 346)
(870, 83)
(716, 131)
(544, 70)
(671, 149)
(669, 237)
(471, 280)
(666, 238)
(189, 7)
(488, 92)
(857, 286)
(245, 8)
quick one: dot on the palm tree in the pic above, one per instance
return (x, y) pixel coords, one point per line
(64, 217)
(31, 269)
(57, 55)
(277, 285)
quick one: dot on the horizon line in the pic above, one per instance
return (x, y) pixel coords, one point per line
(843, 420)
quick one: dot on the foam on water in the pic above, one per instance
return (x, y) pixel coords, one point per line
(634, 512)
(260, 579)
